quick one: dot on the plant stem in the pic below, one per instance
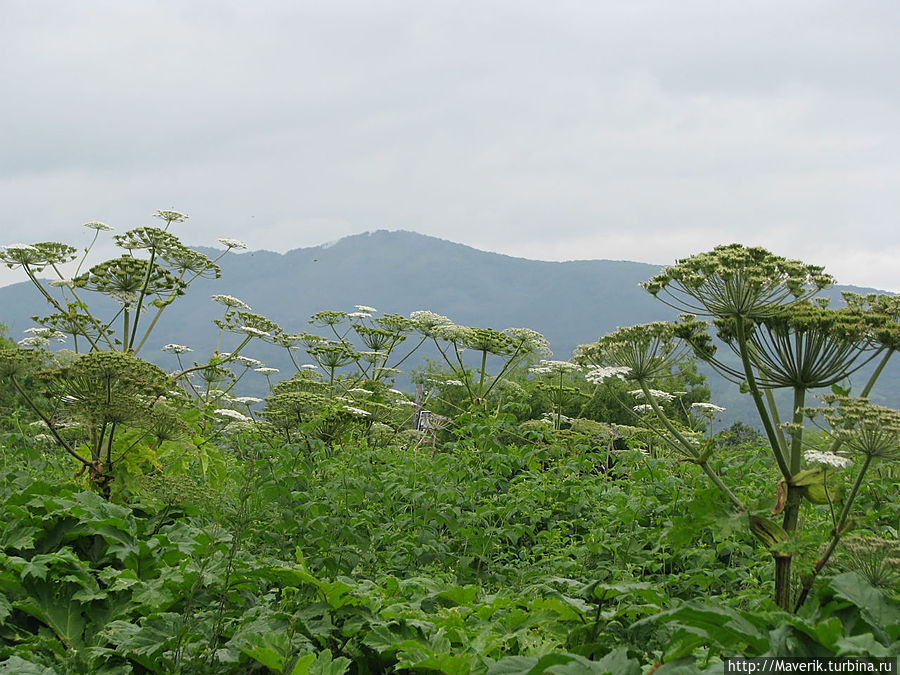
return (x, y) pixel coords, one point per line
(835, 536)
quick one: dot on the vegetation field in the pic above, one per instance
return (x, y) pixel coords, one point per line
(511, 514)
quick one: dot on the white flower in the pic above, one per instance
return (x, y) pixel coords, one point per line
(47, 333)
(654, 393)
(308, 366)
(62, 283)
(250, 330)
(265, 370)
(827, 458)
(176, 349)
(451, 332)
(227, 242)
(643, 408)
(43, 438)
(706, 408)
(599, 374)
(359, 315)
(97, 225)
(529, 340)
(247, 400)
(233, 414)
(396, 391)
(230, 301)
(359, 390)
(547, 367)
(429, 319)
(19, 247)
(33, 341)
(356, 411)
(551, 417)
(455, 383)
(128, 299)
(365, 308)
(170, 216)
(245, 361)
(405, 402)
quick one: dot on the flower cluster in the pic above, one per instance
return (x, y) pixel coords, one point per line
(827, 459)
(176, 349)
(548, 367)
(230, 301)
(599, 374)
(230, 243)
(654, 393)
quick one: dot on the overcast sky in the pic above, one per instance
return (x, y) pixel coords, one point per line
(636, 130)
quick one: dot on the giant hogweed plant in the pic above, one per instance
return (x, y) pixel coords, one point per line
(507, 349)
(762, 307)
(120, 407)
(347, 385)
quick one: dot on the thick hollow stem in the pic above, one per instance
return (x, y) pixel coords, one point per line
(771, 433)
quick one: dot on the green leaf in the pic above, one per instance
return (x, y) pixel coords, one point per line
(721, 627)
(271, 649)
(20, 537)
(52, 604)
(877, 610)
(808, 477)
(15, 665)
(863, 645)
(513, 665)
(303, 664)
(155, 634)
(616, 663)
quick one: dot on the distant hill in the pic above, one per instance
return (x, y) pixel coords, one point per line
(399, 272)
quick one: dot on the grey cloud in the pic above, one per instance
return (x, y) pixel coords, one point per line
(565, 130)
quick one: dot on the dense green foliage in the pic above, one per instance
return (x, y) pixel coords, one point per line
(517, 514)
(484, 557)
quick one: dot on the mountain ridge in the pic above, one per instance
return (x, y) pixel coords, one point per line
(570, 302)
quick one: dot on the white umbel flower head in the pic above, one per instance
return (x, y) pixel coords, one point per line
(708, 410)
(230, 243)
(176, 349)
(33, 341)
(250, 330)
(47, 333)
(266, 370)
(233, 414)
(97, 225)
(654, 393)
(365, 308)
(356, 411)
(643, 408)
(230, 301)
(247, 400)
(170, 216)
(827, 459)
(599, 374)
(62, 283)
(549, 367)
